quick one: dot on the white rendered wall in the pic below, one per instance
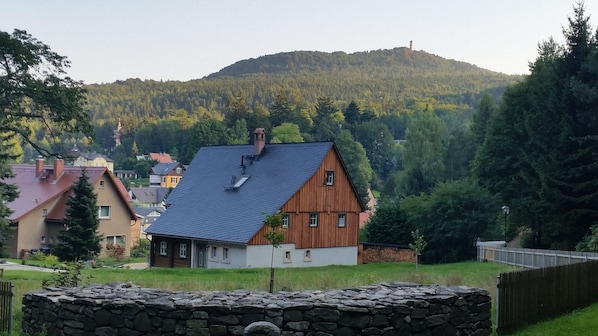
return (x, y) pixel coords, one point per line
(259, 256)
(237, 256)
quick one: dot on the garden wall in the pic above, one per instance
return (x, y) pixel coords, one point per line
(385, 309)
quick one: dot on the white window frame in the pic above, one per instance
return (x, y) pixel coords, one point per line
(100, 207)
(226, 255)
(43, 240)
(44, 212)
(307, 255)
(313, 219)
(286, 220)
(178, 170)
(173, 179)
(183, 250)
(214, 253)
(330, 177)
(163, 248)
(111, 240)
(342, 220)
(101, 185)
(287, 257)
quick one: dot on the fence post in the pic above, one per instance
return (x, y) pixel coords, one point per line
(497, 304)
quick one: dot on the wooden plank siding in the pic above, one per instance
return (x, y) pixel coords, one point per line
(172, 258)
(328, 202)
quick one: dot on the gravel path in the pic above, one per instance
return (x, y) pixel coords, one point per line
(19, 267)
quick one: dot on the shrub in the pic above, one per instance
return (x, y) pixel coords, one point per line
(115, 251)
(141, 249)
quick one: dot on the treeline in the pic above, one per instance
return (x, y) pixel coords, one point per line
(384, 81)
(537, 154)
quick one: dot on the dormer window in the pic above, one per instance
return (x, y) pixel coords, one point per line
(178, 170)
(330, 177)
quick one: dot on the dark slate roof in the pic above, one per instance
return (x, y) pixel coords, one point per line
(144, 211)
(164, 168)
(149, 194)
(201, 208)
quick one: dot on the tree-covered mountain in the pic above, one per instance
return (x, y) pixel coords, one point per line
(381, 81)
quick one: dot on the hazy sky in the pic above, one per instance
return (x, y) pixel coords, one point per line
(109, 40)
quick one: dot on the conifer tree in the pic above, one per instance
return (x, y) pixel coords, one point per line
(80, 240)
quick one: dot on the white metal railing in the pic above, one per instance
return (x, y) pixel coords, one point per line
(530, 258)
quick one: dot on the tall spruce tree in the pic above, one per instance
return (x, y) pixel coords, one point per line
(80, 240)
(541, 152)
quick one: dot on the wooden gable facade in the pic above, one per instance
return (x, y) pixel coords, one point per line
(326, 200)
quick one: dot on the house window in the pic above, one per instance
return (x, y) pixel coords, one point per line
(44, 212)
(173, 180)
(163, 179)
(225, 255)
(178, 170)
(287, 256)
(307, 255)
(183, 251)
(43, 240)
(329, 177)
(342, 220)
(214, 253)
(163, 248)
(115, 240)
(286, 221)
(104, 211)
(101, 184)
(313, 219)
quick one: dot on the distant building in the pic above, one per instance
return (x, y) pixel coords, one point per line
(94, 160)
(166, 175)
(161, 157)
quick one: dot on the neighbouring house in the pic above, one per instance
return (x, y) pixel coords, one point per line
(94, 160)
(149, 196)
(148, 216)
(167, 175)
(214, 218)
(39, 211)
(372, 204)
(125, 173)
(160, 157)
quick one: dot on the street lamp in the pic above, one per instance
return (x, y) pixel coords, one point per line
(505, 211)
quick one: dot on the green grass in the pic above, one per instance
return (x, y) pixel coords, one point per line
(473, 274)
(581, 322)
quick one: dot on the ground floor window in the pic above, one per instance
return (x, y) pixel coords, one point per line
(115, 240)
(183, 251)
(307, 255)
(287, 256)
(214, 253)
(163, 248)
(225, 255)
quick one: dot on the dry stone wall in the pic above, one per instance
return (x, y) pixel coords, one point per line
(386, 309)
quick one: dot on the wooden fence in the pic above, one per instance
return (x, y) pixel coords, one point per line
(6, 297)
(531, 296)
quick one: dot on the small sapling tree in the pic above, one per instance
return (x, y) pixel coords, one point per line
(274, 236)
(418, 245)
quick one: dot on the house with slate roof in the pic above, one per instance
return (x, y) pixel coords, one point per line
(214, 217)
(149, 196)
(39, 211)
(167, 175)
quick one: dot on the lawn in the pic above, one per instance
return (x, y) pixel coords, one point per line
(473, 274)
(581, 322)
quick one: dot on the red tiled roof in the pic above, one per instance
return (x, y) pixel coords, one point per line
(35, 192)
(160, 157)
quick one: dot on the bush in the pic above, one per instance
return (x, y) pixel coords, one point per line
(115, 251)
(141, 249)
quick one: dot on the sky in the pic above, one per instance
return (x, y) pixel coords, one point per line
(111, 40)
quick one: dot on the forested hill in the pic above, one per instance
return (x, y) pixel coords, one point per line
(400, 60)
(382, 81)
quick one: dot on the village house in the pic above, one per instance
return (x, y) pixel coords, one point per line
(214, 217)
(167, 175)
(94, 160)
(39, 211)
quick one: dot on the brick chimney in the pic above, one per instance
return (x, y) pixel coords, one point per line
(39, 166)
(58, 168)
(259, 140)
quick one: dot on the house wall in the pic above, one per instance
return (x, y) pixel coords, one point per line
(172, 257)
(172, 180)
(328, 202)
(30, 230)
(260, 256)
(237, 257)
(120, 222)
